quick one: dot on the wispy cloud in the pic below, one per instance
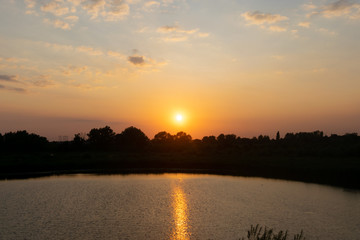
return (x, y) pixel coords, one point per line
(30, 3)
(55, 7)
(57, 23)
(116, 54)
(43, 81)
(13, 89)
(340, 8)
(176, 29)
(89, 50)
(265, 20)
(304, 24)
(117, 10)
(275, 28)
(61, 13)
(175, 33)
(326, 31)
(72, 18)
(9, 78)
(151, 4)
(70, 70)
(259, 18)
(58, 47)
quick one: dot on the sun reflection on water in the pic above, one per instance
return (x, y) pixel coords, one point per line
(181, 230)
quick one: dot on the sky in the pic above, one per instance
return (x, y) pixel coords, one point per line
(246, 67)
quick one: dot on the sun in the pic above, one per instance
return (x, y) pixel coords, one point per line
(179, 118)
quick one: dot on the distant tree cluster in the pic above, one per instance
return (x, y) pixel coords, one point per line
(22, 141)
(133, 139)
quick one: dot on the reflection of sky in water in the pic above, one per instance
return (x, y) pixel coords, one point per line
(181, 231)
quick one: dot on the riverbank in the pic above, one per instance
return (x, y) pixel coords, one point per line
(342, 172)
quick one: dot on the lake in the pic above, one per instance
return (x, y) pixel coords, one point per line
(172, 206)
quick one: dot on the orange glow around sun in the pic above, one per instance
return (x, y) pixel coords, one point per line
(179, 117)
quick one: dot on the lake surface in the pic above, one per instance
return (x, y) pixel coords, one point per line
(172, 206)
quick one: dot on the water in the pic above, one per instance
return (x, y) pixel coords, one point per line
(172, 206)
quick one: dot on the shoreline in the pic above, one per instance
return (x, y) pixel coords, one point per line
(340, 171)
(145, 171)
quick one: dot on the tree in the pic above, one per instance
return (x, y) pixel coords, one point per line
(182, 137)
(23, 141)
(209, 140)
(163, 137)
(277, 136)
(79, 141)
(132, 138)
(101, 138)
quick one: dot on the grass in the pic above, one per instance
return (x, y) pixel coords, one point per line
(260, 233)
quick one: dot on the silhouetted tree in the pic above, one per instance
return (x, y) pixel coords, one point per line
(277, 136)
(163, 137)
(1, 141)
(23, 141)
(101, 138)
(230, 140)
(221, 139)
(182, 141)
(78, 141)
(182, 137)
(209, 140)
(132, 138)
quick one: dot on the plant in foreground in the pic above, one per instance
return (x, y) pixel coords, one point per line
(257, 233)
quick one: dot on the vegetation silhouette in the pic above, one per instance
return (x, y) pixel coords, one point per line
(257, 233)
(303, 156)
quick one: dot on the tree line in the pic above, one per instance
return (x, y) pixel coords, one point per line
(133, 139)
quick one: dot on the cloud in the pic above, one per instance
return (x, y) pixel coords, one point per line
(89, 50)
(15, 60)
(142, 61)
(151, 4)
(326, 31)
(93, 7)
(9, 78)
(55, 7)
(309, 6)
(203, 35)
(175, 39)
(275, 28)
(30, 3)
(57, 23)
(259, 18)
(58, 47)
(340, 8)
(69, 70)
(117, 11)
(304, 24)
(43, 81)
(116, 54)
(19, 90)
(177, 34)
(137, 60)
(72, 18)
(107, 10)
(176, 29)
(111, 11)
(82, 49)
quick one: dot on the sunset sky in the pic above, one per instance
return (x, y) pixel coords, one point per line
(246, 67)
